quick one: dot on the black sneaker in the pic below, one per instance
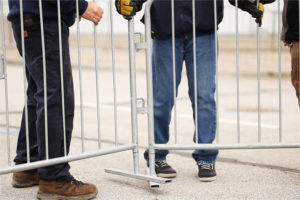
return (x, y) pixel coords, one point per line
(164, 170)
(207, 172)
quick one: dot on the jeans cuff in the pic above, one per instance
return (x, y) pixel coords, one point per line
(205, 162)
(157, 160)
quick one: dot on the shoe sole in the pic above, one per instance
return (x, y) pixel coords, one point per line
(207, 179)
(45, 196)
(19, 184)
(173, 175)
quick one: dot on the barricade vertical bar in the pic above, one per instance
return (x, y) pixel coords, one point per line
(174, 71)
(149, 88)
(3, 55)
(114, 71)
(24, 76)
(97, 84)
(258, 81)
(279, 74)
(133, 94)
(2, 76)
(45, 79)
(195, 72)
(217, 68)
(3, 59)
(237, 71)
(62, 77)
(80, 76)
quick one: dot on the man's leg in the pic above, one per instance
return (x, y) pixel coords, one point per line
(163, 92)
(21, 156)
(58, 172)
(206, 113)
(56, 180)
(295, 68)
(28, 178)
(206, 107)
(33, 58)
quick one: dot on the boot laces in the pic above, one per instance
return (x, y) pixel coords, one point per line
(77, 183)
(161, 164)
(207, 166)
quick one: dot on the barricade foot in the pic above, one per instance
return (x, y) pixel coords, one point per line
(152, 184)
(138, 176)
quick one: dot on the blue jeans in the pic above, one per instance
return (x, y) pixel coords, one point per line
(162, 67)
(35, 99)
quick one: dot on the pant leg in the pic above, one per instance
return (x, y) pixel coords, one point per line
(295, 68)
(21, 153)
(163, 92)
(54, 101)
(206, 106)
(34, 64)
(21, 156)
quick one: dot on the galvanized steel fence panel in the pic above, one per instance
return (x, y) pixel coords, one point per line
(217, 144)
(147, 45)
(133, 146)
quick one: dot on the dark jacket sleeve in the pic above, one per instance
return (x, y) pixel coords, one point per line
(69, 6)
(243, 2)
(267, 1)
(292, 17)
(247, 6)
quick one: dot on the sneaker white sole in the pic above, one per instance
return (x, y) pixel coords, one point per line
(46, 196)
(207, 179)
(167, 175)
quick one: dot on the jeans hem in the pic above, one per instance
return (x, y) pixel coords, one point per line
(205, 162)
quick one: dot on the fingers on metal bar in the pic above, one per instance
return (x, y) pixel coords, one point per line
(24, 80)
(62, 76)
(80, 77)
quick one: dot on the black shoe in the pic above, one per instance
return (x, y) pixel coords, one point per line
(164, 170)
(207, 172)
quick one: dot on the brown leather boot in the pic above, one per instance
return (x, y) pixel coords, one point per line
(24, 179)
(66, 190)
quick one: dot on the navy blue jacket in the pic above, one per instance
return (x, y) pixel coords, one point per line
(290, 19)
(161, 21)
(68, 9)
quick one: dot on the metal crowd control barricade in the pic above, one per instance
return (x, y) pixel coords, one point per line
(134, 147)
(216, 145)
(84, 154)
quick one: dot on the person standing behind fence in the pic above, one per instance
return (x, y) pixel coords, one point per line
(162, 63)
(55, 182)
(289, 34)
